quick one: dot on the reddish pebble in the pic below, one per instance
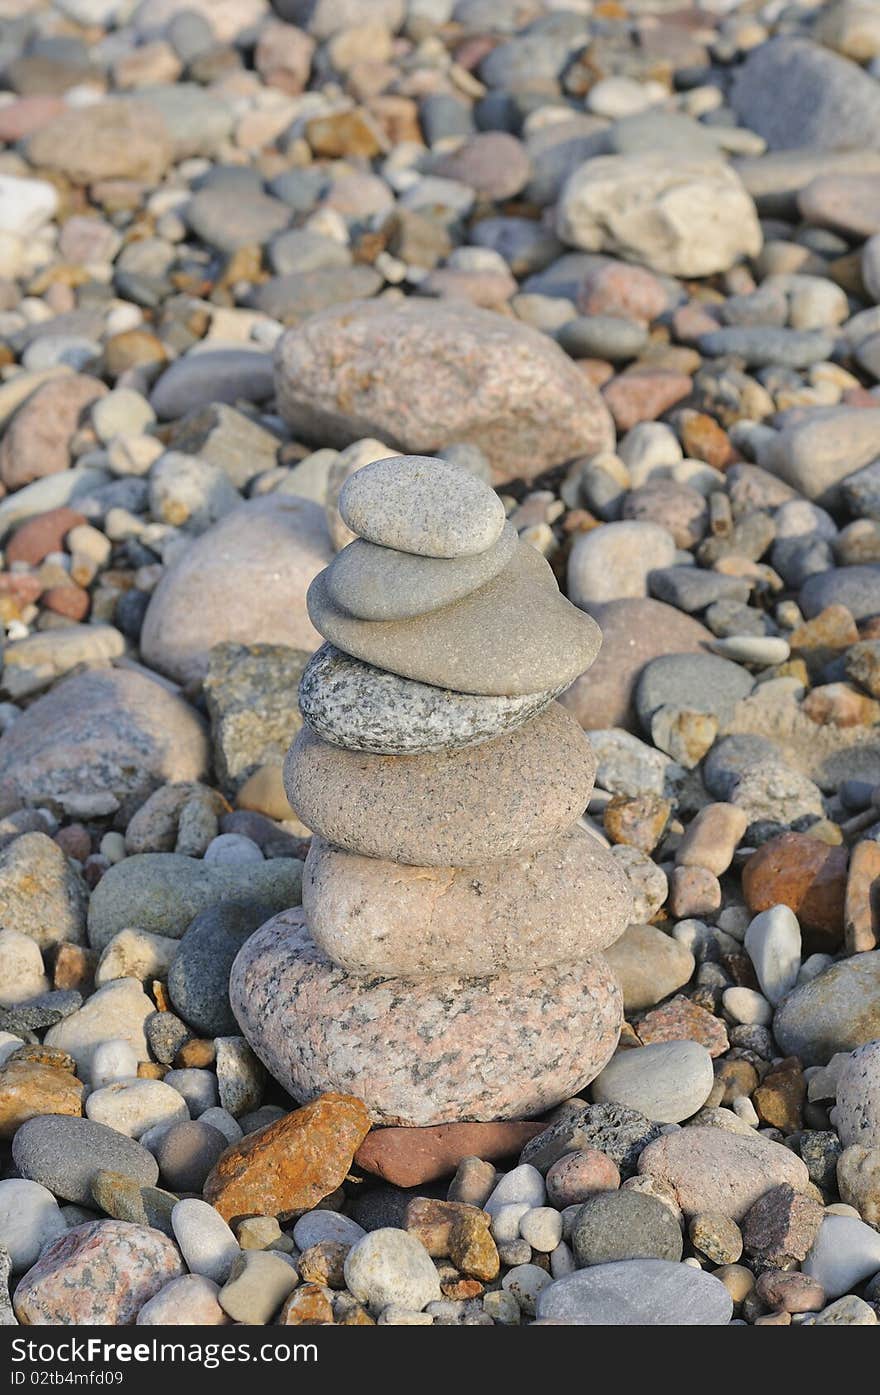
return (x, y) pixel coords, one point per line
(70, 601)
(615, 288)
(28, 114)
(35, 539)
(644, 395)
(790, 1292)
(693, 891)
(682, 1020)
(411, 1157)
(576, 1176)
(805, 874)
(75, 841)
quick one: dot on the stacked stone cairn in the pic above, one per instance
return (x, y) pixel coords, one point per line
(445, 964)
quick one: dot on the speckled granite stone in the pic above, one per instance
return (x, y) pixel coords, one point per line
(353, 704)
(514, 635)
(455, 808)
(103, 1272)
(380, 583)
(524, 912)
(428, 1051)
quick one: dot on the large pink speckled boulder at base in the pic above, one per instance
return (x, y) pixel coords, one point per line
(445, 964)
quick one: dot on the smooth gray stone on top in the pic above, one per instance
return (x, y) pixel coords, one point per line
(637, 1292)
(417, 503)
(858, 588)
(353, 704)
(700, 682)
(515, 635)
(761, 345)
(382, 583)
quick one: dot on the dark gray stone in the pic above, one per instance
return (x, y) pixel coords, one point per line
(66, 1154)
(198, 980)
(692, 589)
(612, 1128)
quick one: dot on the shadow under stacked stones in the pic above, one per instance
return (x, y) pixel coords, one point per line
(445, 964)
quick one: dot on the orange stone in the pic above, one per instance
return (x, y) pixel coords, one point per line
(804, 874)
(70, 601)
(839, 705)
(291, 1165)
(412, 1157)
(703, 439)
(28, 1088)
(682, 1020)
(644, 396)
(74, 967)
(432, 1221)
(308, 1306)
(861, 906)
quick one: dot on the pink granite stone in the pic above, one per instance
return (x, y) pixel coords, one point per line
(422, 1051)
(103, 1272)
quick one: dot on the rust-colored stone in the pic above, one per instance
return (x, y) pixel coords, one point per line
(74, 967)
(638, 821)
(779, 1098)
(308, 1306)
(805, 874)
(861, 906)
(682, 1020)
(39, 536)
(432, 1222)
(28, 1088)
(472, 1248)
(71, 601)
(290, 1165)
(412, 1157)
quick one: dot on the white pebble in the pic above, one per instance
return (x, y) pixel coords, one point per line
(223, 1121)
(21, 968)
(746, 1006)
(773, 943)
(207, 1244)
(9, 1042)
(113, 1060)
(542, 1228)
(562, 1261)
(505, 1223)
(524, 1184)
(745, 1110)
(525, 1282)
(132, 1105)
(232, 848)
(30, 1218)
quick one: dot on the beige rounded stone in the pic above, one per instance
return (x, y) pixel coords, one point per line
(453, 808)
(649, 965)
(713, 1170)
(422, 1051)
(523, 912)
(244, 579)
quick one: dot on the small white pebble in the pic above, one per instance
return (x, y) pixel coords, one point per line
(745, 1110)
(746, 1006)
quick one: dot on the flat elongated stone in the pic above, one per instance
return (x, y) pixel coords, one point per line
(514, 635)
(381, 583)
(66, 1154)
(453, 809)
(292, 1164)
(637, 1293)
(363, 708)
(419, 504)
(422, 1051)
(412, 1157)
(523, 912)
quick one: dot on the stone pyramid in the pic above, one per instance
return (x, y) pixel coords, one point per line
(445, 964)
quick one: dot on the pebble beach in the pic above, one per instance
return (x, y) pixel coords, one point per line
(439, 663)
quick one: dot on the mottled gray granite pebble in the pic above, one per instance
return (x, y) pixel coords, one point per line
(363, 708)
(836, 1011)
(624, 1225)
(612, 1128)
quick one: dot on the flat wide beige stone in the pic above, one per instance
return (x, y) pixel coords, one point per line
(451, 808)
(523, 912)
